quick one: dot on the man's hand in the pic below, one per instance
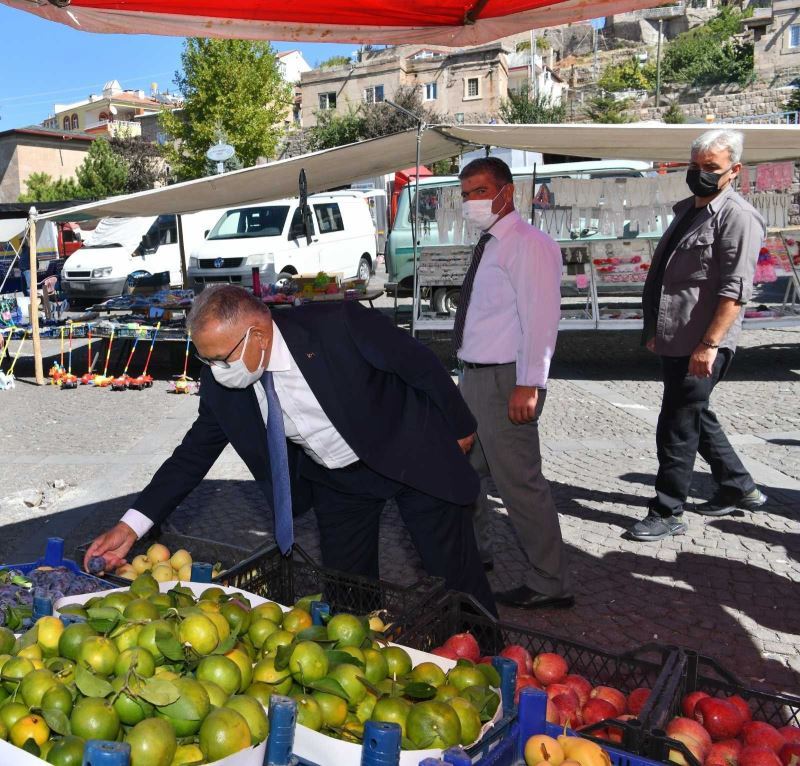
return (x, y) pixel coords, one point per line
(522, 404)
(701, 362)
(112, 546)
(466, 443)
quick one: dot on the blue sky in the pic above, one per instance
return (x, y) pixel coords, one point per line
(46, 63)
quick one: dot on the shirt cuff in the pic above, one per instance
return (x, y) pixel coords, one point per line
(138, 522)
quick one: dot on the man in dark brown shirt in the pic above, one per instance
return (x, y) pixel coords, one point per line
(700, 279)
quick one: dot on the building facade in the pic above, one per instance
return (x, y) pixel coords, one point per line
(776, 41)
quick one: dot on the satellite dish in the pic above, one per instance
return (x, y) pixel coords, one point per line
(220, 152)
(112, 109)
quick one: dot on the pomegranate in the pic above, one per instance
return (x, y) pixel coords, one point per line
(463, 645)
(689, 701)
(742, 707)
(596, 710)
(580, 686)
(521, 656)
(720, 718)
(760, 734)
(758, 755)
(724, 753)
(550, 668)
(636, 700)
(612, 695)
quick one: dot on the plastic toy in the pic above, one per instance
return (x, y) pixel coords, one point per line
(68, 380)
(7, 380)
(145, 380)
(183, 384)
(89, 376)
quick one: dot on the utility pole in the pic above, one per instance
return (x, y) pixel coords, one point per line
(658, 63)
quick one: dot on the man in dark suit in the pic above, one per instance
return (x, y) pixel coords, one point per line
(366, 414)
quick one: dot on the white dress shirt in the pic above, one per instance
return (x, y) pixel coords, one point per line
(515, 305)
(304, 420)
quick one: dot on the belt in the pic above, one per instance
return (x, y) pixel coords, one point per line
(481, 365)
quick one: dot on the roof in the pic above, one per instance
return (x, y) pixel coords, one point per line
(281, 54)
(55, 133)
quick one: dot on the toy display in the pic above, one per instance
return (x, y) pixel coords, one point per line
(68, 381)
(104, 380)
(145, 380)
(89, 376)
(184, 384)
(7, 378)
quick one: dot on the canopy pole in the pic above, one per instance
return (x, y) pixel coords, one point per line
(34, 294)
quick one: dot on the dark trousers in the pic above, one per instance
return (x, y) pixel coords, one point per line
(686, 427)
(348, 503)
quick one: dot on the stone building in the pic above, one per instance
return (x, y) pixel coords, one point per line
(776, 41)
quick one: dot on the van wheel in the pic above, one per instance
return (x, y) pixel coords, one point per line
(445, 300)
(284, 278)
(364, 269)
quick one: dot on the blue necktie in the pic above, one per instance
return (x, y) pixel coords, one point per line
(279, 466)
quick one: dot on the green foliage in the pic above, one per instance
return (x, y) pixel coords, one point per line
(334, 129)
(229, 85)
(102, 173)
(334, 61)
(43, 188)
(522, 109)
(793, 103)
(673, 115)
(604, 108)
(145, 166)
(628, 75)
(711, 53)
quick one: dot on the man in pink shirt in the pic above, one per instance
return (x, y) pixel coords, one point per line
(505, 335)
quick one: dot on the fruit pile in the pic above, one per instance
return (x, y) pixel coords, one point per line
(158, 560)
(571, 698)
(16, 591)
(186, 679)
(541, 750)
(721, 732)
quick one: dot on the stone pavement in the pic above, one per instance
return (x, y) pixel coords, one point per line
(72, 462)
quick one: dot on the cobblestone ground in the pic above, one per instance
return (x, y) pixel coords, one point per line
(72, 462)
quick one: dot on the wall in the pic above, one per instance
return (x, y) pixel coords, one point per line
(723, 102)
(775, 59)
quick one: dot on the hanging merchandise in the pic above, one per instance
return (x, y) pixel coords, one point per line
(68, 380)
(7, 380)
(144, 380)
(765, 267)
(774, 176)
(183, 383)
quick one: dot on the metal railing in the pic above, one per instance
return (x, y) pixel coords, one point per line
(773, 118)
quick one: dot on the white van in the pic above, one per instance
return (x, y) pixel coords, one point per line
(121, 249)
(271, 237)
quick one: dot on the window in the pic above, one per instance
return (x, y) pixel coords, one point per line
(429, 91)
(794, 36)
(472, 87)
(373, 94)
(327, 100)
(296, 229)
(66, 123)
(167, 229)
(251, 222)
(329, 218)
(74, 121)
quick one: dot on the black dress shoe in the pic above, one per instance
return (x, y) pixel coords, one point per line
(488, 566)
(524, 597)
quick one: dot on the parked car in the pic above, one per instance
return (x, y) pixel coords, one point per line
(338, 238)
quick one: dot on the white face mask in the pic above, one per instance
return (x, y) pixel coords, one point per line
(237, 375)
(479, 211)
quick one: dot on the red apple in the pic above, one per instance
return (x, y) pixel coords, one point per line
(553, 690)
(742, 707)
(688, 731)
(522, 682)
(636, 700)
(597, 710)
(725, 753)
(521, 656)
(464, 645)
(580, 686)
(612, 695)
(689, 701)
(790, 733)
(758, 755)
(790, 754)
(550, 668)
(568, 711)
(615, 734)
(720, 718)
(441, 651)
(760, 734)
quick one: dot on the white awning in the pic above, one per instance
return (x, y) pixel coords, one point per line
(11, 227)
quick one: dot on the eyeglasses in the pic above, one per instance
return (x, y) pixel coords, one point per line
(224, 363)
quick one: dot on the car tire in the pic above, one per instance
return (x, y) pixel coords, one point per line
(444, 300)
(364, 270)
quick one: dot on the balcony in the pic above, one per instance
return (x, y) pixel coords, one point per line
(114, 127)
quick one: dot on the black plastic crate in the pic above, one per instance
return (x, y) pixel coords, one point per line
(650, 666)
(271, 575)
(200, 548)
(699, 673)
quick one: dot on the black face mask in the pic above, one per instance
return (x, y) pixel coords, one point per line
(702, 183)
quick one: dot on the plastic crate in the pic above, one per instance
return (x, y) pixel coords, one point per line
(286, 579)
(699, 673)
(650, 666)
(201, 550)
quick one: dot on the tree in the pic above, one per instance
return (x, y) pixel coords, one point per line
(230, 85)
(793, 103)
(102, 173)
(673, 115)
(712, 53)
(604, 108)
(521, 109)
(43, 188)
(334, 129)
(142, 159)
(334, 61)
(628, 75)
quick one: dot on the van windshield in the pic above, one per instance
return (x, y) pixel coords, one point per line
(251, 222)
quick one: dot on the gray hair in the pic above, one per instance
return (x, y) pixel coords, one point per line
(732, 140)
(226, 304)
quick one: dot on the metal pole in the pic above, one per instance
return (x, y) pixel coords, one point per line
(34, 304)
(658, 64)
(416, 229)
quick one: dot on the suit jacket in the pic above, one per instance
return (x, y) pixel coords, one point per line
(388, 396)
